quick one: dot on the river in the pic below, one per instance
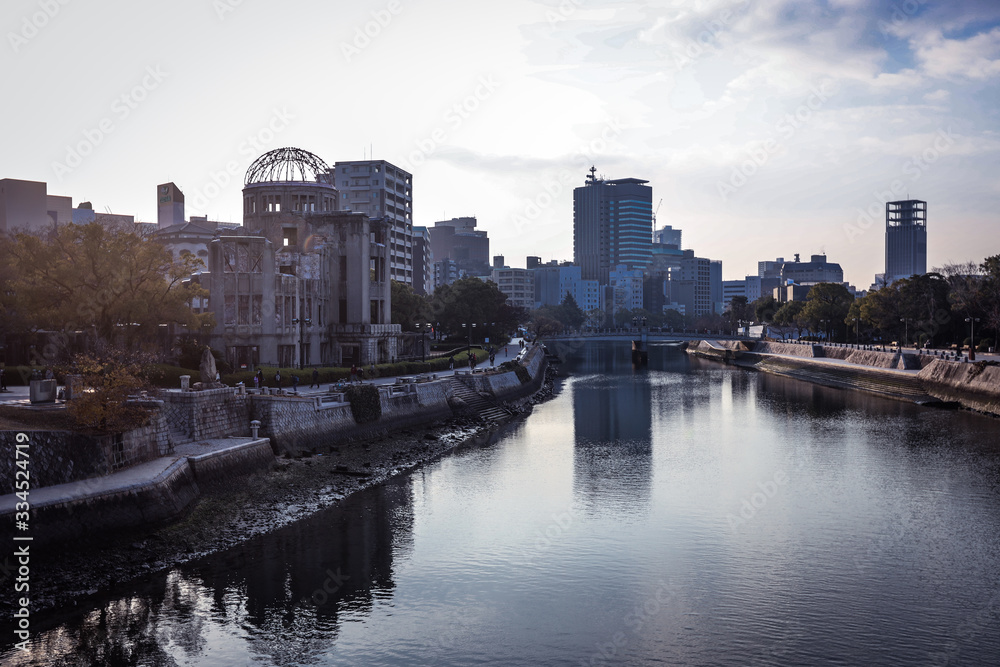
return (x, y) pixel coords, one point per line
(687, 513)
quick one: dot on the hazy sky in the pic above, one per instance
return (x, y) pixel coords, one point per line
(765, 127)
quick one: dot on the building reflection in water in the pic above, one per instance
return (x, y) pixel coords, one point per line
(612, 426)
(284, 593)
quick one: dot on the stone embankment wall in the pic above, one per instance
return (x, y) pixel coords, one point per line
(58, 457)
(213, 413)
(862, 357)
(221, 466)
(297, 424)
(156, 501)
(974, 385)
(508, 386)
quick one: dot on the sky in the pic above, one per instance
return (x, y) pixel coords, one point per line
(767, 128)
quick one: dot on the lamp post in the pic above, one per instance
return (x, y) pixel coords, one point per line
(972, 339)
(422, 328)
(302, 348)
(468, 328)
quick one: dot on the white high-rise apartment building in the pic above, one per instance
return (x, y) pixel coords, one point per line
(380, 189)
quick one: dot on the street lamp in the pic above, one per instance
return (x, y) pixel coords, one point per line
(468, 328)
(422, 328)
(302, 349)
(972, 339)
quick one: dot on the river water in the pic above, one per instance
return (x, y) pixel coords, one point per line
(687, 513)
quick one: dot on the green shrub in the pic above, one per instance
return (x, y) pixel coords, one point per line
(365, 404)
(984, 345)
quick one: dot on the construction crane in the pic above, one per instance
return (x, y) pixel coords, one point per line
(655, 212)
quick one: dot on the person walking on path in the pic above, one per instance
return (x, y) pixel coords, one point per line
(354, 372)
(277, 379)
(361, 374)
(315, 379)
(256, 381)
(295, 384)
(492, 359)
(259, 377)
(451, 363)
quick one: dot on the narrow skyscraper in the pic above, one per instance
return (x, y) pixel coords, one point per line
(905, 239)
(612, 225)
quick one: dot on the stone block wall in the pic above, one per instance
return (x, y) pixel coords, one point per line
(213, 413)
(164, 498)
(55, 457)
(221, 466)
(306, 424)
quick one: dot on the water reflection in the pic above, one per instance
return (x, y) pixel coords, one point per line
(296, 582)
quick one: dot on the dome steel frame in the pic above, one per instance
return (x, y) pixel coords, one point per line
(286, 165)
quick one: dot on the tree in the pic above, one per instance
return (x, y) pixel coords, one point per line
(111, 281)
(739, 311)
(111, 376)
(408, 307)
(826, 307)
(764, 308)
(991, 294)
(572, 316)
(789, 318)
(473, 301)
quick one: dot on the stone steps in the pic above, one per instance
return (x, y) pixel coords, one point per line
(483, 407)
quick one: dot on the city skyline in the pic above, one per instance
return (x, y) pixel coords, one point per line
(768, 129)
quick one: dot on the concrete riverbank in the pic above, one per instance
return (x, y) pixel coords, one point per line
(923, 378)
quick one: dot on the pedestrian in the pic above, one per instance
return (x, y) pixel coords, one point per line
(361, 374)
(504, 350)
(354, 373)
(492, 359)
(277, 379)
(3, 380)
(451, 363)
(371, 371)
(315, 379)
(256, 381)
(259, 377)
(295, 384)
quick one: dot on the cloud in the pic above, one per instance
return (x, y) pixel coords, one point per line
(977, 57)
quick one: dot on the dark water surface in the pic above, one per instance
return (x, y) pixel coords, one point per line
(688, 514)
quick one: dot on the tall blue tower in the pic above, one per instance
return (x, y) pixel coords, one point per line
(612, 225)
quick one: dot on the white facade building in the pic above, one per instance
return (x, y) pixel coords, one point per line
(626, 288)
(380, 189)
